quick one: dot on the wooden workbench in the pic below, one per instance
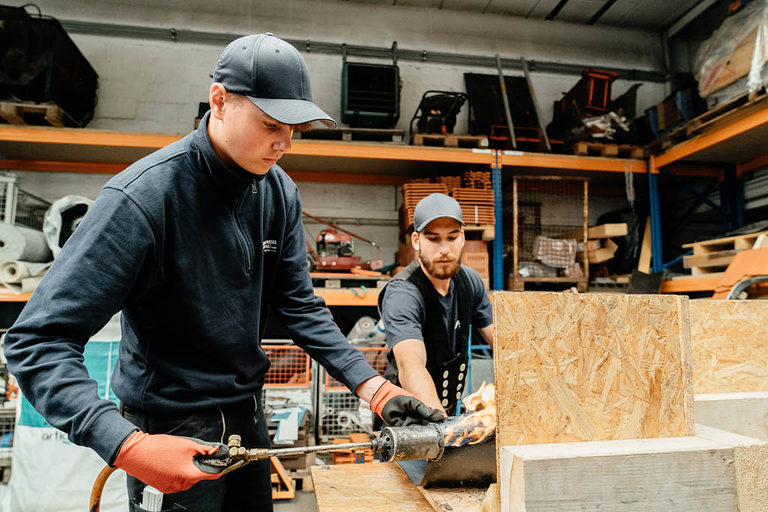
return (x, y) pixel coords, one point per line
(384, 487)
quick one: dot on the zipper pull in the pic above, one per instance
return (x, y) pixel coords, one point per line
(254, 188)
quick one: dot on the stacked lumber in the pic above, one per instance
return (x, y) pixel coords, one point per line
(476, 205)
(712, 256)
(450, 182)
(477, 179)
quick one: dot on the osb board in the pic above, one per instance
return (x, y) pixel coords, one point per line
(469, 499)
(730, 352)
(377, 487)
(591, 367)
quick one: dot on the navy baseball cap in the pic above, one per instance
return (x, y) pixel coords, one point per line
(274, 76)
(435, 206)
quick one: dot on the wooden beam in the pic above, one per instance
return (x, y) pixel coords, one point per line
(579, 367)
(684, 474)
(741, 413)
(728, 339)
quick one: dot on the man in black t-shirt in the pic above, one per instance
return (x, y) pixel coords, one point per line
(428, 308)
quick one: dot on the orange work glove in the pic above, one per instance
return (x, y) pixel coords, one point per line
(164, 462)
(399, 408)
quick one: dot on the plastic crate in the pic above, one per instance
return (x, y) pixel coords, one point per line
(289, 368)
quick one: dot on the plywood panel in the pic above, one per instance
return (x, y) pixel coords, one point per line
(575, 367)
(730, 345)
(366, 488)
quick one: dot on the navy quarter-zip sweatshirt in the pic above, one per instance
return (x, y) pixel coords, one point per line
(192, 252)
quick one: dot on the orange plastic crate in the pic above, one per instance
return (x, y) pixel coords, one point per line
(290, 366)
(376, 357)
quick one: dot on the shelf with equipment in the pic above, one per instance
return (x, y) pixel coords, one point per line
(731, 147)
(108, 152)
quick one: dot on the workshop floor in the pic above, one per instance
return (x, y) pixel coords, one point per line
(302, 502)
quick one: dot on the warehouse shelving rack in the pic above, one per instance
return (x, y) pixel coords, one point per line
(731, 150)
(109, 152)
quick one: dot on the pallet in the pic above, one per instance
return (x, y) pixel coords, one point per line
(21, 113)
(712, 256)
(354, 134)
(608, 150)
(450, 140)
(739, 107)
(723, 114)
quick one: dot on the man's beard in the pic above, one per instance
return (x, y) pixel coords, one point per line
(438, 274)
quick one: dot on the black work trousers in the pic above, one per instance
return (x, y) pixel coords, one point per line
(248, 489)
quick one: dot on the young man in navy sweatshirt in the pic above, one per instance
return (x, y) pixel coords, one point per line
(193, 243)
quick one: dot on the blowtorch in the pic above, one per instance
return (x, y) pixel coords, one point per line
(393, 444)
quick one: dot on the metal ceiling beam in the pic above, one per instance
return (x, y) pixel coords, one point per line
(554, 12)
(224, 38)
(599, 14)
(687, 18)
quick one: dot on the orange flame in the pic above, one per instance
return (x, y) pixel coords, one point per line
(479, 424)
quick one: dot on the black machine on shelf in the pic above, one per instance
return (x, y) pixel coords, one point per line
(370, 95)
(437, 112)
(40, 63)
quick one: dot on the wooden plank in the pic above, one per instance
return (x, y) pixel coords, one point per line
(712, 259)
(741, 413)
(573, 367)
(381, 487)
(644, 261)
(685, 474)
(728, 339)
(750, 459)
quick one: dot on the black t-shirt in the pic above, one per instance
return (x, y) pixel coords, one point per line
(403, 309)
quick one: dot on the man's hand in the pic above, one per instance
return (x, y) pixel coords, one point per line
(399, 408)
(164, 462)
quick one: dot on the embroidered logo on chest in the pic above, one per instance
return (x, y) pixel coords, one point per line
(269, 246)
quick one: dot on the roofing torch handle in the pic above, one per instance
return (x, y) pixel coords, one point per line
(263, 453)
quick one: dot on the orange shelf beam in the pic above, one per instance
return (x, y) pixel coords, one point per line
(572, 162)
(390, 152)
(62, 166)
(704, 141)
(85, 137)
(8, 296)
(346, 297)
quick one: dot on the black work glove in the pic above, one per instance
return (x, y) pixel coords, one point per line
(399, 408)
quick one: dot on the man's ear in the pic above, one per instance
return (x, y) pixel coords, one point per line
(415, 241)
(217, 97)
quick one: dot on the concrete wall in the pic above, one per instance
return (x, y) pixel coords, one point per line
(155, 86)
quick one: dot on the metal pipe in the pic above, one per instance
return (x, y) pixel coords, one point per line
(223, 38)
(507, 113)
(542, 128)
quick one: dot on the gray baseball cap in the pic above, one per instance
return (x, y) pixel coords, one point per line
(435, 206)
(274, 76)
